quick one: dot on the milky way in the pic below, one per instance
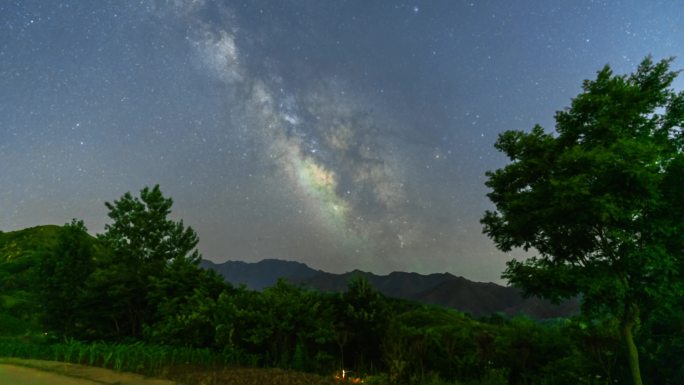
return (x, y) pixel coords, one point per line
(341, 134)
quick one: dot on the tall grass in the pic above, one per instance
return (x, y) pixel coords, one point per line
(185, 365)
(133, 357)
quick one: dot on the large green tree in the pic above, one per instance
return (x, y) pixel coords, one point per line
(599, 200)
(142, 242)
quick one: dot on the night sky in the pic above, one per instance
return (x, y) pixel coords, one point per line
(342, 134)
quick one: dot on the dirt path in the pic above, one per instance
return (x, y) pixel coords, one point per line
(34, 372)
(17, 375)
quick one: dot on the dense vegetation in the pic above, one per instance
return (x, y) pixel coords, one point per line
(600, 201)
(134, 298)
(149, 316)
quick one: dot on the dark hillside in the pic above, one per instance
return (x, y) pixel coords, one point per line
(476, 298)
(21, 243)
(260, 275)
(19, 253)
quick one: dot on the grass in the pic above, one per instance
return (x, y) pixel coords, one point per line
(190, 366)
(248, 376)
(136, 357)
(184, 365)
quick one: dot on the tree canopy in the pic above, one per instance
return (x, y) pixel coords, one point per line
(599, 200)
(141, 231)
(144, 247)
(65, 295)
(62, 274)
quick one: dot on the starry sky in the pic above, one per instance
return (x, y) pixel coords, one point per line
(342, 134)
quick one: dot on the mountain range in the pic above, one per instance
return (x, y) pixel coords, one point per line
(476, 298)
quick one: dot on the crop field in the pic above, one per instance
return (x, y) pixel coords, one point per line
(184, 365)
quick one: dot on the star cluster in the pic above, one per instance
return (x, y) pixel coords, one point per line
(341, 134)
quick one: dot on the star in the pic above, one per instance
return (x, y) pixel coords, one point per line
(358, 129)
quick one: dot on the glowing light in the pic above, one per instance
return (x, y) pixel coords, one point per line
(343, 376)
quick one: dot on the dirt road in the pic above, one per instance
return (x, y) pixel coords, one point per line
(32, 372)
(17, 375)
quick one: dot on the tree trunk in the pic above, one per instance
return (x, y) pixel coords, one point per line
(629, 320)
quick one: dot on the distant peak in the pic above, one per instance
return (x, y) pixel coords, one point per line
(283, 261)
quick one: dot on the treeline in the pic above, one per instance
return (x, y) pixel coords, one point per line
(139, 282)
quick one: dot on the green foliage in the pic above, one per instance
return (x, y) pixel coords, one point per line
(429, 340)
(27, 242)
(141, 233)
(12, 326)
(596, 200)
(663, 346)
(191, 322)
(133, 357)
(20, 252)
(184, 300)
(141, 242)
(61, 276)
(287, 326)
(362, 317)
